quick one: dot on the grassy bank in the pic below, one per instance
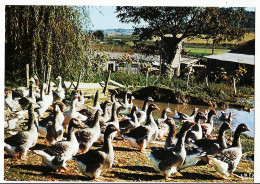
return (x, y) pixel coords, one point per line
(216, 92)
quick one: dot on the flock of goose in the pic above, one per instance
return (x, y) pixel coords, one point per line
(72, 127)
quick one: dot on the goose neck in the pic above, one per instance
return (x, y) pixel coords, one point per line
(236, 141)
(108, 146)
(181, 140)
(114, 114)
(145, 106)
(164, 114)
(171, 136)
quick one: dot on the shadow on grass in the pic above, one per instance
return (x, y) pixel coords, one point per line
(47, 171)
(38, 147)
(8, 156)
(137, 176)
(138, 168)
(187, 175)
(124, 149)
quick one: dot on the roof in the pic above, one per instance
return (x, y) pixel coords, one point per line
(234, 57)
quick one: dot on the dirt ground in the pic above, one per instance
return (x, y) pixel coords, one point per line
(130, 165)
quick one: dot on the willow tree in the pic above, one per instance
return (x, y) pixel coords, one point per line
(42, 35)
(159, 22)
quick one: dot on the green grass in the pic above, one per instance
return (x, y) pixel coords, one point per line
(200, 52)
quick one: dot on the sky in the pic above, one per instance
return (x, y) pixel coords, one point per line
(104, 17)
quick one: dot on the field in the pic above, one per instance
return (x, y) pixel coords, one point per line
(130, 165)
(200, 52)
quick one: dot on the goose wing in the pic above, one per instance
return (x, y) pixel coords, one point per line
(92, 160)
(17, 139)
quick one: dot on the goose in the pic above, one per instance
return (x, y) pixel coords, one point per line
(89, 135)
(113, 120)
(191, 117)
(72, 113)
(24, 91)
(127, 125)
(213, 146)
(88, 110)
(45, 103)
(54, 128)
(93, 162)
(19, 144)
(44, 121)
(59, 93)
(12, 104)
(140, 136)
(227, 160)
(166, 161)
(226, 117)
(141, 115)
(113, 96)
(105, 116)
(125, 103)
(207, 127)
(162, 127)
(196, 132)
(170, 141)
(56, 155)
(81, 97)
(26, 101)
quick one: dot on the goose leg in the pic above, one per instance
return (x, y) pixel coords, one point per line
(235, 175)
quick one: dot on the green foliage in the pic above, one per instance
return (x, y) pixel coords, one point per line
(43, 35)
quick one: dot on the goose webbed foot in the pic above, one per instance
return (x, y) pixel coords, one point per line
(237, 176)
(177, 174)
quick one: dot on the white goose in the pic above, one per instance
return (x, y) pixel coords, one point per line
(55, 156)
(72, 113)
(59, 93)
(19, 144)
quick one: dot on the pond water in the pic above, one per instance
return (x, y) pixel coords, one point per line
(238, 116)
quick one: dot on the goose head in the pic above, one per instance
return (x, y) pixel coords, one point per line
(200, 116)
(242, 128)
(149, 99)
(225, 126)
(153, 107)
(75, 123)
(110, 129)
(168, 110)
(170, 122)
(187, 125)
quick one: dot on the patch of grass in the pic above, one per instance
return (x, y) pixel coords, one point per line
(200, 52)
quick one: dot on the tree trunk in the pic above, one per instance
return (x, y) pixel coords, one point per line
(213, 47)
(170, 64)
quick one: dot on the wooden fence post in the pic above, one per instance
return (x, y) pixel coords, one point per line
(108, 77)
(44, 73)
(80, 74)
(234, 83)
(48, 77)
(207, 81)
(147, 75)
(27, 75)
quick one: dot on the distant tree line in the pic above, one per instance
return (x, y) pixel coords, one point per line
(170, 25)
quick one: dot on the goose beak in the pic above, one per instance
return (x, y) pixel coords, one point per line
(158, 108)
(229, 127)
(248, 129)
(192, 123)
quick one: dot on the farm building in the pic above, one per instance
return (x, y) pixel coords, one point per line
(232, 60)
(133, 62)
